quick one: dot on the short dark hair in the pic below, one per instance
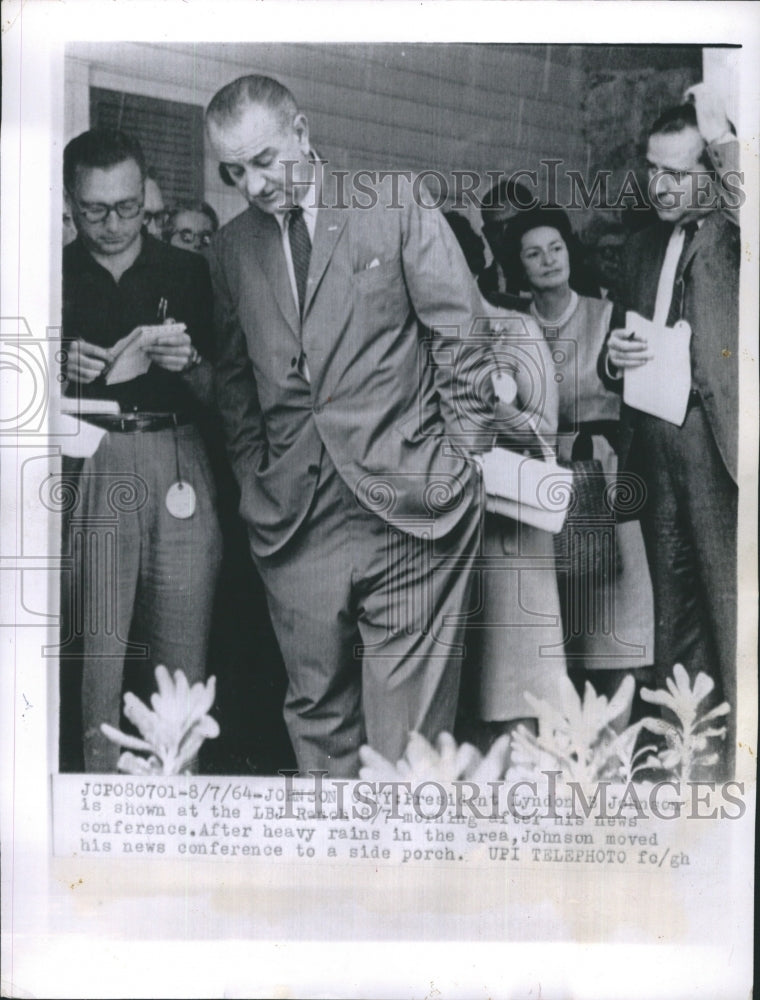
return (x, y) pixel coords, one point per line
(100, 148)
(506, 193)
(675, 119)
(228, 103)
(534, 218)
(681, 117)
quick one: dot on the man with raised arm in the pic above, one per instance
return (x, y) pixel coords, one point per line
(685, 269)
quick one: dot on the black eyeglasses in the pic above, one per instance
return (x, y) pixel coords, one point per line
(191, 238)
(130, 208)
(157, 217)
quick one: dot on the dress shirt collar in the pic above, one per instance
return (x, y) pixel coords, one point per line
(309, 202)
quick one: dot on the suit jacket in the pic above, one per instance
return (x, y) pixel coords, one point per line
(710, 304)
(393, 369)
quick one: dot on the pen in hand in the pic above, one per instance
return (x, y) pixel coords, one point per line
(163, 306)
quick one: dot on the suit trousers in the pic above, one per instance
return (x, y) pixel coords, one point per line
(370, 620)
(689, 528)
(143, 581)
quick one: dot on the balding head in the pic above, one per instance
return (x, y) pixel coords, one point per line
(229, 103)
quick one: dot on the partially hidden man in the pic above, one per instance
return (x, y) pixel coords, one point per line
(344, 386)
(147, 547)
(685, 266)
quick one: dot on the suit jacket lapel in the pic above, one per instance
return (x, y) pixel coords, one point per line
(651, 268)
(692, 248)
(271, 259)
(330, 223)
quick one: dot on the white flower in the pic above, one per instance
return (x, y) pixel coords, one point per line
(172, 734)
(687, 739)
(578, 736)
(683, 700)
(444, 762)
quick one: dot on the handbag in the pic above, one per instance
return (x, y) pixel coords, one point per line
(586, 544)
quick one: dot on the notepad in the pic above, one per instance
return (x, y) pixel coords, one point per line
(661, 386)
(131, 359)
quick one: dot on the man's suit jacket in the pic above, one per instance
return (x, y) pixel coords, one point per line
(379, 279)
(710, 271)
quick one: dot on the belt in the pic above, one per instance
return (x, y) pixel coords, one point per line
(129, 423)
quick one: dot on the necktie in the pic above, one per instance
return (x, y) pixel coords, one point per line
(676, 303)
(300, 251)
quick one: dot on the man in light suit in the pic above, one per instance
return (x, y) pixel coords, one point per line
(348, 389)
(689, 258)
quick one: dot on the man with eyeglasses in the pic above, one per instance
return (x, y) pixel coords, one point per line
(190, 225)
(685, 267)
(145, 497)
(154, 210)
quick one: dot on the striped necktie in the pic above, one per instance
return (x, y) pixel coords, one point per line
(300, 251)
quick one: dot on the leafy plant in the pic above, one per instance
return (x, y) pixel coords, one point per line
(687, 750)
(172, 734)
(582, 737)
(442, 762)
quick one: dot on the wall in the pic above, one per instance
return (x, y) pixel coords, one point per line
(477, 107)
(448, 107)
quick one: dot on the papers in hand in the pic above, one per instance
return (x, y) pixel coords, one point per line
(526, 489)
(75, 407)
(130, 354)
(660, 387)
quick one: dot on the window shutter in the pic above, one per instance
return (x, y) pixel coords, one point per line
(170, 133)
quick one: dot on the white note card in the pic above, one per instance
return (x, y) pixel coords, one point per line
(660, 387)
(526, 489)
(78, 438)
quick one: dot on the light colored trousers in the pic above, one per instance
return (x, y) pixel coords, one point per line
(144, 581)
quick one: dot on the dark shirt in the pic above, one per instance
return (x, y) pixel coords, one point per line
(100, 310)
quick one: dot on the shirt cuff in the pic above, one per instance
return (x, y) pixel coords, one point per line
(616, 375)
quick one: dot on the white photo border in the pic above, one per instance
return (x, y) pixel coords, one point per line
(73, 928)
